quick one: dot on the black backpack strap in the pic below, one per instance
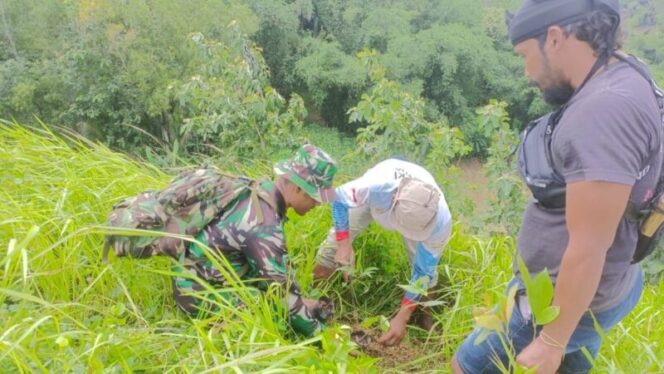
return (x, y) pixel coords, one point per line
(634, 212)
(642, 69)
(601, 61)
(646, 244)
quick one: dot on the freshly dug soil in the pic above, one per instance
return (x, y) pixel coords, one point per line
(390, 357)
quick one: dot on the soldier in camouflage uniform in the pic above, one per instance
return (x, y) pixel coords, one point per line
(250, 235)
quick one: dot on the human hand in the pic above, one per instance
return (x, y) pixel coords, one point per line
(324, 309)
(321, 309)
(345, 257)
(545, 357)
(396, 332)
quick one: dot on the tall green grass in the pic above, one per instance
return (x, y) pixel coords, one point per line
(63, 310)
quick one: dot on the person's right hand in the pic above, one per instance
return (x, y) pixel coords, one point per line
(321, 309)
(345, 257)
(397, 330)
(324, 311)
(310, 303)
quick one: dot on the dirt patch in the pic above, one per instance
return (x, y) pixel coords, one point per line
(390, 357)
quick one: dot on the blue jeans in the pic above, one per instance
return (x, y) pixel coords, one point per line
(480, 358)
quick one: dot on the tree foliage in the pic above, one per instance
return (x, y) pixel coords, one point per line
(445, 53)
(130, 73)
(397, 125)
(183, 73)
(506, 206)
(230, 106)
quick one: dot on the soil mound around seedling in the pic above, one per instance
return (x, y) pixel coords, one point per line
(390, 357)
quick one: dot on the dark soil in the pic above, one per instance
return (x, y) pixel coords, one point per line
(390, 357)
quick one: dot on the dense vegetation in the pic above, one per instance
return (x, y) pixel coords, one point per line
(241, 83)
(196, 76)
(63, 310)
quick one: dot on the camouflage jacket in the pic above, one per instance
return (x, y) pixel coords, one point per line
(256, 249)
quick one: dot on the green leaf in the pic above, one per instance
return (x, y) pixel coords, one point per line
(509, 303)
(539, 291)
(119, 309)
(548, 315)
(62, 342)
(432, 303)
(368, 272)
(490, 322)
(540, 294)
(379, 320)
(418, 288)
(523, 269)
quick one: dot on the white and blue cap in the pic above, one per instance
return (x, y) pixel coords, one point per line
(536, 16)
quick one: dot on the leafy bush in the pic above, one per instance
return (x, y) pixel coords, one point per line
(396, 123)
(228, 105)
(506, 207)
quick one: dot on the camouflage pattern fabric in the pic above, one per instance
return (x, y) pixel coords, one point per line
(185, 207)
(312, 170)
(256, 250)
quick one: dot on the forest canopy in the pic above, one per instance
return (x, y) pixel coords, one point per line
(198, 75)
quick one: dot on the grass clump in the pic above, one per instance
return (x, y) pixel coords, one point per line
(63, 310)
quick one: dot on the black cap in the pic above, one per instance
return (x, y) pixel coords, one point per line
(536, 16)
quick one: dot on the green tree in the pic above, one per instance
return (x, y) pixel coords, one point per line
(229, 106)
(506, 206)
(396, 124)
(455, 56)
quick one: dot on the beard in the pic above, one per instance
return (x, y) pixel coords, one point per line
(559, 91)
(558, 94)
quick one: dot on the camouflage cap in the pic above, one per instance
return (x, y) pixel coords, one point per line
(312, 170)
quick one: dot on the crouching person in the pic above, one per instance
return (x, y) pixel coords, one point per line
(249, 234)
(400, 196)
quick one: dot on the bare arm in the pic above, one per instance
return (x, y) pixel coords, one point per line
(593, 212)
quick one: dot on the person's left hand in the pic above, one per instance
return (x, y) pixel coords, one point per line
(396, 332)
(546, 358)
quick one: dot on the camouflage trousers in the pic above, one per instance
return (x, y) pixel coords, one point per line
(199, 301)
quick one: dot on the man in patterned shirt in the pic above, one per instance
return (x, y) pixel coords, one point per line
(250, 236)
